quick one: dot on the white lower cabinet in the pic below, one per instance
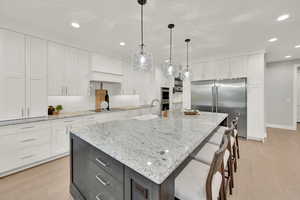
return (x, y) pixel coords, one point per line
(26, 145)
(23, 145)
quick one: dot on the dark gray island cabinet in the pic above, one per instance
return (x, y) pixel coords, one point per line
(136, 160)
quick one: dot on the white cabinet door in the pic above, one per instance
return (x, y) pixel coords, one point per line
(60, 143)
(12, 75)
(209, 72)
(222, 69)
(197, 71)
(56, 69)
(238, 66)
(256, 69)
(77, 72)
(255, 115)
(36, 90)
(105, 64)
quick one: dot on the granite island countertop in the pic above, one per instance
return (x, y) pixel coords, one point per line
(68, 115)
(153, 148)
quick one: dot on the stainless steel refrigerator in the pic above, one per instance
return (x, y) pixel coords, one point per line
(222, 96)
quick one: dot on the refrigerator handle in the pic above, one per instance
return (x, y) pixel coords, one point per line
(217, 98)
(213, 98)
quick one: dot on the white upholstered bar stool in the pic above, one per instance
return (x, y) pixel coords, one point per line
(206, 154)
(199, 181)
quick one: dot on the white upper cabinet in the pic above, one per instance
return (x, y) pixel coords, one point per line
(209, 70)
(77, 72)
(56, 69)
(106, 65)
(12, 75)
(238, 66)
(197, 71)
(256, 69)
(222, 69)
(68, 71)
(36, 81)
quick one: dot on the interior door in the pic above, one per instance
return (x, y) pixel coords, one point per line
(12, 75)
(202, 95)
(231, 98)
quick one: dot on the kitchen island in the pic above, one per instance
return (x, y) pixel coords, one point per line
(136, 159)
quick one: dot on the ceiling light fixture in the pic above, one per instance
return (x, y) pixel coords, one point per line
(122, 44)
(75, 25)
(273, 39)
(142, 60)
(297, 46)
(283, 17)
(187, 74)
(289, 56)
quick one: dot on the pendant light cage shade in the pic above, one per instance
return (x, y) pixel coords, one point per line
(170, 70)
(187, 72)
(142, 60)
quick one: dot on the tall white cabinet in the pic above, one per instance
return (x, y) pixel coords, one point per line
(22, 76)
(36, 77)
(12, 75)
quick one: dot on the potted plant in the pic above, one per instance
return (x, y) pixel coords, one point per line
(58, 108)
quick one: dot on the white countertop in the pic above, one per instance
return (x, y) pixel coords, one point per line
(154, 148)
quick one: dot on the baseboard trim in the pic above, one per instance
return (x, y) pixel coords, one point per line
(256, 139)
(282, 127)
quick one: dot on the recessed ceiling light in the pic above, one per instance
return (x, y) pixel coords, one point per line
(273, 39)
(166, 61)
(297, 46)
(75, 25)
(122, 44)
(283, 17)
(289, 56)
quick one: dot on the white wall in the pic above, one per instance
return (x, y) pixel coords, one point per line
(279, 94)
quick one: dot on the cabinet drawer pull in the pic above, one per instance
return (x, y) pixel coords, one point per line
(28, 127)
(104, 164)
(103, 182)
(98, 197)
(28, 140)
(27, 157)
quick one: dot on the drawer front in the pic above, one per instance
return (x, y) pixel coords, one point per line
(110, 165)
(33, 138)
(33, 154)
(103, 185)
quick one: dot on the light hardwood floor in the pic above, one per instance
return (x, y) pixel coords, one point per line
(266, 171)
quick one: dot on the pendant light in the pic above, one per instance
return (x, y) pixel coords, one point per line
(187, 74)
(170, 69)
(142, 60)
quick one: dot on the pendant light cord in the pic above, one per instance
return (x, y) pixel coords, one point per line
(187, 55)
(142, 29)
(170, 58)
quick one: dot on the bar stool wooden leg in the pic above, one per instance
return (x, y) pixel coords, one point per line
(234, 158)
(238, 147)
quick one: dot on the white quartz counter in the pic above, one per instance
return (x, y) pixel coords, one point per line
(154, 148)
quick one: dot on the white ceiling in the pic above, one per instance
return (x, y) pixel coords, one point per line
(217, 27)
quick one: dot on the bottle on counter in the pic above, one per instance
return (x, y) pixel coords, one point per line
(107, 99)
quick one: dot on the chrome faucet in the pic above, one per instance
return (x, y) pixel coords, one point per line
(153, 101)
